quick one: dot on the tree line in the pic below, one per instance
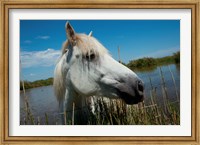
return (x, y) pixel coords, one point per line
(139, 64)
(38, 83)
(147, 62)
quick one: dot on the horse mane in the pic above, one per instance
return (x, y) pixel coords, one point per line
(87, 45)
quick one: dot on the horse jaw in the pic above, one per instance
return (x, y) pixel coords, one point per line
(118, 81)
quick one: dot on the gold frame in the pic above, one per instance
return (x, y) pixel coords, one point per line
(166, 4)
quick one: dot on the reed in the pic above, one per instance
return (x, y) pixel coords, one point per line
(29, 119)
(174, 82)
(46, 119)
(73, 114)
(116, 112)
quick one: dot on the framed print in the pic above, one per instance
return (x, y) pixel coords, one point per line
(99, 72)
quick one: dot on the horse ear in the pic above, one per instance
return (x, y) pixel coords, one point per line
(71, 35)
(90, 34)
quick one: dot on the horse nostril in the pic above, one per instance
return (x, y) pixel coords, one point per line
(140, 86)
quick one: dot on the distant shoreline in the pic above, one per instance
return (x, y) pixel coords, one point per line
(35, 84)
(142, 64)
(149, 62)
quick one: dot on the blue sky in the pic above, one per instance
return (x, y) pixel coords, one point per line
(41, 41)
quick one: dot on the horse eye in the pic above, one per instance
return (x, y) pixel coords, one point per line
(90, 57)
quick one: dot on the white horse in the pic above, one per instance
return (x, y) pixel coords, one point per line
(85, 69)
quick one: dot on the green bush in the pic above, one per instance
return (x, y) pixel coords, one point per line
(149, 62)
(141, 63)
(177, 57)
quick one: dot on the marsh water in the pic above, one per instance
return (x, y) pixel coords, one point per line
(42, 100)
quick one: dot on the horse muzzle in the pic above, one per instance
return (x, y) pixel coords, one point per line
(131, 92)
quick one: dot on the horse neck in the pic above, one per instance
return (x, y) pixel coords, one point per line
(76, 106)
(74, 101)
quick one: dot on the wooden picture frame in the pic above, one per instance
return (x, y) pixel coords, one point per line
(45, 4)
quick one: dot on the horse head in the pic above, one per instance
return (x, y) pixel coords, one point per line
(86, 68)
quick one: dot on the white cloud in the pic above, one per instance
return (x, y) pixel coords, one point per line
(39, 58)
(43, 37)
(31, 74)
(27, 41)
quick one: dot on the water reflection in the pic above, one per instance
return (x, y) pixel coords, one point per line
(41, 101)
(155, 76)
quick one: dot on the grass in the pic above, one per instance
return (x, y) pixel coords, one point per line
(116, 112)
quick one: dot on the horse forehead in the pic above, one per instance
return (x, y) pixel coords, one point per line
(90, 44)
(86, 42)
